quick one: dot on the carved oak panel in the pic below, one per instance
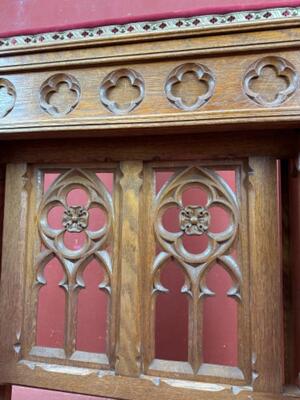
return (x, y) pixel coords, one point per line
(222, 247)
(96, 244)
(133, 247)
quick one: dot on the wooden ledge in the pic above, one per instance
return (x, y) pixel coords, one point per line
(214, 80)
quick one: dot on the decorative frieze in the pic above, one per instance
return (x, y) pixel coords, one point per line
(199, 22)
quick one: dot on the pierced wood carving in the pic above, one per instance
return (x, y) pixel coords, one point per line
(190, 86)
(270, 81)
(122, 97)
(7, 97)
(75, 219)
(60, 94)
(195, 220)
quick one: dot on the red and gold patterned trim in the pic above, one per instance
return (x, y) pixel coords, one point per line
(154, 27)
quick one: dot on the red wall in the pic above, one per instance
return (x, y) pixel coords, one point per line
(29, 16)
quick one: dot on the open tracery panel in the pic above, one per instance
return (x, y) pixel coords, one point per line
(70, 268)
(199, 272)
(140, 273)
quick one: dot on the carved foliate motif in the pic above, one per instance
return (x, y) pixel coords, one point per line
(203, 76)
(195, 220)
(285, 76)
(7, 97)
(75, 219)
(60, 94)
(122, 105)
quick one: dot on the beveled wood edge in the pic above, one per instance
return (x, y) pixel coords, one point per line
(147, 147)
(138, 125)
(106, 384)
(97, 54)
(266, 18)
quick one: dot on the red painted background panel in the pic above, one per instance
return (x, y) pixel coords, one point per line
(32, 16)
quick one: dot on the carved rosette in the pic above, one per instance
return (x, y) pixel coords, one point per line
(51, 86)
(202, 73)
(111, 81)
(75, 219)
(8, 97)
(195, 220)
(283, 68)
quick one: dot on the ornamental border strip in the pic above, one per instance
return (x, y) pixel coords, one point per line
(146, 27)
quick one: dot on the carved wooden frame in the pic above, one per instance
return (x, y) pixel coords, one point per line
(155, 133)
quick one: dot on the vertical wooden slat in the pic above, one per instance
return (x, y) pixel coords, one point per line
(195, 329)
(13, 265)
(148, 242)
(128, 348)
(265, 267)
(71, 320)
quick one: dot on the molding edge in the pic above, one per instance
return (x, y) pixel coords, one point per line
(152, 29)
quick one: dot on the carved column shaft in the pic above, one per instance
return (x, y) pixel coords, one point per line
(265, 267)
(128, 348)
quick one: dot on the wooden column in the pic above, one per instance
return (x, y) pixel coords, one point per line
(265, 271)
(13, 267)
(129, 341)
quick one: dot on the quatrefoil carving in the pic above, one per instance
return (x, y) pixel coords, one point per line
(277, 88)
(7, 97)
(124, 104)
(195, 220)
(191, 97)
(60, 94)
(75, 218)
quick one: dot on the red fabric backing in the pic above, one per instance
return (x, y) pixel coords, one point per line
(34, 16)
